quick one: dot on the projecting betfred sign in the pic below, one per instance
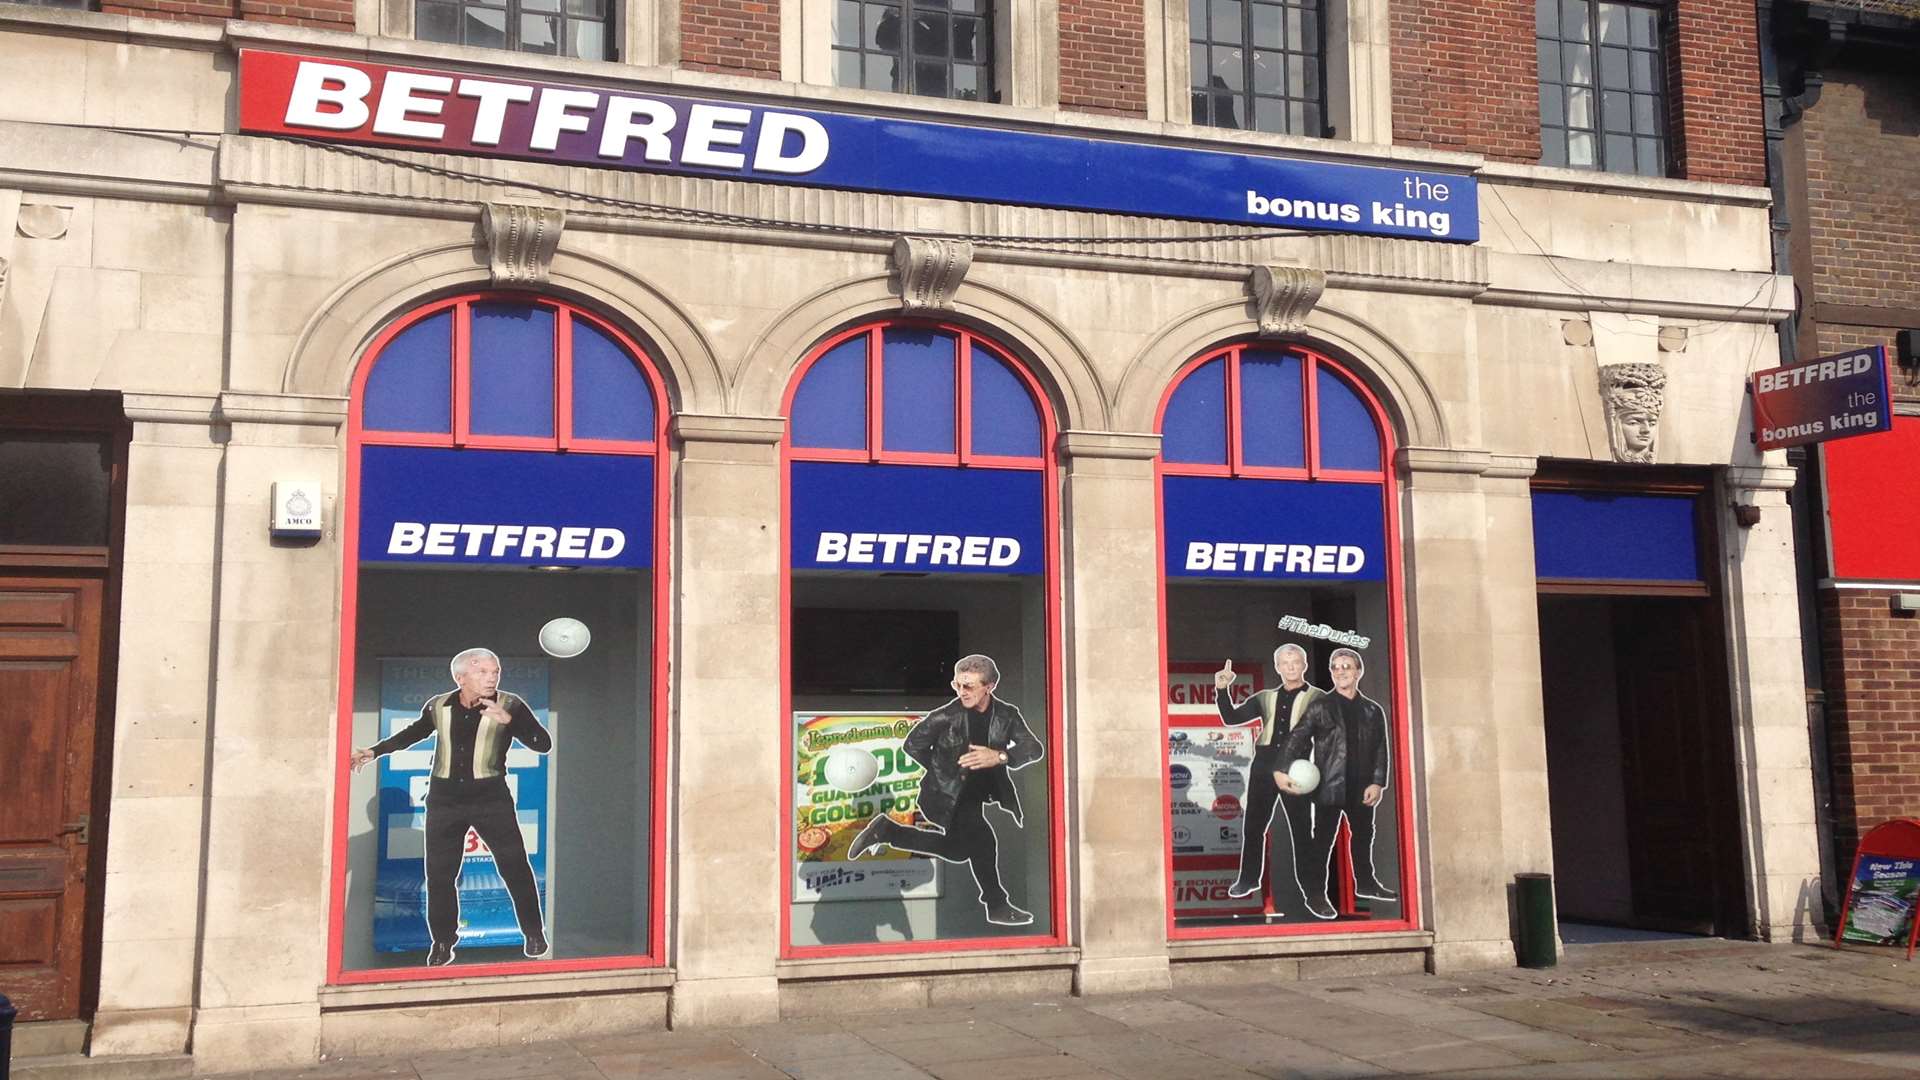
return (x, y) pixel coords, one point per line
(1830, 398)
(344, 101)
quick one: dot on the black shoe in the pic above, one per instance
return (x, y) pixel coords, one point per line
(1320, 909)
(440, 955)
(870, 838)
(1005, 914)
(1241, 888)
(1376, 891)
(536, 946)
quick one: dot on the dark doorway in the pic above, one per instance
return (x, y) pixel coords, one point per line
(1640, 763)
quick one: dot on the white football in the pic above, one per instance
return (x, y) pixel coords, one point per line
(565, 638)
(850, 769)
(1304, 774)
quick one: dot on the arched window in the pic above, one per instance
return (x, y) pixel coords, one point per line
(502, 732)
(922, 614)
(1280, 594)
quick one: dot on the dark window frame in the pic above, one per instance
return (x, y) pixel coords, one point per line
(1622, 92)
(564, 13)
(1298, 91)
(886, 58)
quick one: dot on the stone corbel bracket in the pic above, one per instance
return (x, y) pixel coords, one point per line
(521, 240)
(930, 271)
(1283, 296)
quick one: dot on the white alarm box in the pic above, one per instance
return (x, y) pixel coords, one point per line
(296, 509)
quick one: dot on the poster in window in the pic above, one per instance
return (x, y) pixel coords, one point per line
(850, 768)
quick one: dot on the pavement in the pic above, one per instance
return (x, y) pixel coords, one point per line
(1671, 1008)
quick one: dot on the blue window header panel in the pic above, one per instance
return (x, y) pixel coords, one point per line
(411, 385)
(1349, 439)
(920, 390)
(1605, 536)
(917, 518)
(505, 507)
(1279, 530)
(1272, 411)
(512, 370)
(830, 407)
(611, 398)
(1006, 422)
(1194, 428)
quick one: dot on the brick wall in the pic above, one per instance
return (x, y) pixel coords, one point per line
(1713, 64)
(317, 14)
(737, 37)
(1103, 61)
(1466, 76)
(1873, 709)
(1863, 207)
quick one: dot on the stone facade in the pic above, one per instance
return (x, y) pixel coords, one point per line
(227, 285)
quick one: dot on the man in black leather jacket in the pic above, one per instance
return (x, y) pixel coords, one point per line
(968, 747)
(1347, 734)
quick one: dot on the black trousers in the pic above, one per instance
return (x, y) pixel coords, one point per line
(486, 806)
(1263, 797)
(969, 839)
(1360, 820)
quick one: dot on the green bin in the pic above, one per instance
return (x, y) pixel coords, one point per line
(1535, 895)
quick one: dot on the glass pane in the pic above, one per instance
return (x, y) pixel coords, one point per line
(1297, 117)
(1620, 153)
(967, 39)
(883, 73)
(1650, 159)
(539, 5)
(1272, 411)
(1267, 32)
(1579, 107)
(1615, 110)
(1613, 69)
(1229, 70)
(966, 82)
(1550, 64)
(830, 407)
(1646, 118)
(1197, 19)
(594, 9)
(1268, 68)
(1580, 150)
(1551, 104)
(1644, 26)
(1194, 428)
(1226, 21)
(437, 22)
(540, 34)
(1546, 18)
(1553, 146)
(1006, 422)
(1296, 30)
(1303, 80)
(411, 385)
(487, 29)
(930, 78)
(476, 859)
(1579, 61)
(1573, 20)
(930, 34)
(611, 398)
(1311, 122)
(1308, 40)
(1641, 65)
(919, 390)
(846, 68)
(587, 39)
(1349, 439)
(1270, 114)
(882, 27)
(54, 488)
(512, 370)
(846, 23)
(1613, 24)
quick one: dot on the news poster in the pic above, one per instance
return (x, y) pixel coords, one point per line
(848, 769)
(399, 898)
(1885, 888)
(1207, 766)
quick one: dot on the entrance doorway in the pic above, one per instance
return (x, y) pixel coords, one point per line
(1640, 763)
(62, 468)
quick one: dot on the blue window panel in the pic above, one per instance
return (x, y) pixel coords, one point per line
(919, 391)
(411, 385)
(830, 408)
(1349, 438)
(1273, 416)
(1194, 430)
(1614, 537)
(611, 398)
(1006, 422)
(512, 370)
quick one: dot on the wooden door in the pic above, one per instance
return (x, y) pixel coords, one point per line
(50, 647)
(1676, 733)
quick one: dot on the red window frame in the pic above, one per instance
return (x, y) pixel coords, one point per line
(358, 436)
(963, 457)
(1311, 363)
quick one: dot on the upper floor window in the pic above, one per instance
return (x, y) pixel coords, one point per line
(77, 5)
(933, 48)
(1602, 86)
(1256, 65)
(576, 28)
